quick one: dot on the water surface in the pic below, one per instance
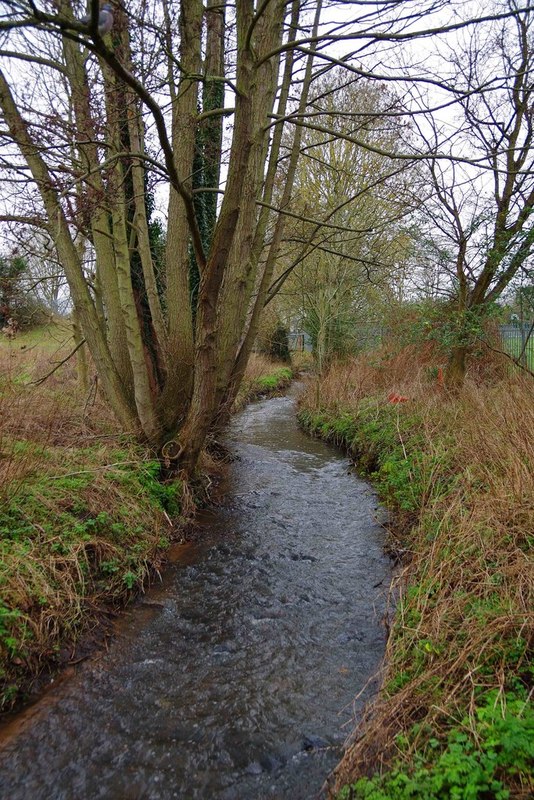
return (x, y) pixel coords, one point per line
(235, 677)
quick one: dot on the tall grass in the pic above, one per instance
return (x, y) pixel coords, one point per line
(458, 474)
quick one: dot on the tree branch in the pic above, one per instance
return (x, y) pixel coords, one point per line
(58, 365)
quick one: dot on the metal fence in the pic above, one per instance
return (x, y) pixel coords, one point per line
(517, 339)
(368, 337)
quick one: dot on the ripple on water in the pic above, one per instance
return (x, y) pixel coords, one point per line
(239, 682)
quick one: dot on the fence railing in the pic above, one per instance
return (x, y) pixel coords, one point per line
(516, 339)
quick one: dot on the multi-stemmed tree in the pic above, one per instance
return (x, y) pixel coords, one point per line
(135, 97)
(101, 107)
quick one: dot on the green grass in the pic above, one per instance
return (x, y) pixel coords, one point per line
(83, 528)
(454, 719)
(45, 338)
(276, 380)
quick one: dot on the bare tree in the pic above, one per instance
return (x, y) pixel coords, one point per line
(334, 272)
(97, 110)
(480, 206)
(161, 374)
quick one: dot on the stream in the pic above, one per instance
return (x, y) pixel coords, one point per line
(234, 678)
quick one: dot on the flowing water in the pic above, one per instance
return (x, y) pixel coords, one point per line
(234, 678)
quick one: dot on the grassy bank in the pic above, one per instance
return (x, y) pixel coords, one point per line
(454, 718)
(84, 518)
(262, 379)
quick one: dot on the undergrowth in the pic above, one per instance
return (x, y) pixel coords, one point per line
(470, 763)
(82, 526)
(454, 717)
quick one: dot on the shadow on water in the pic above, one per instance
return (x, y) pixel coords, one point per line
(234, 678)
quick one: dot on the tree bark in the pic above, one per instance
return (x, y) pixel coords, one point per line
(58, 228)
(456, 369)
(92, 207)
(254, 315)
(143, 395)
(176, 395)
(219, 307)
(81, 355)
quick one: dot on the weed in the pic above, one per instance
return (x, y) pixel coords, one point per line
(130, 579)
(471, 763)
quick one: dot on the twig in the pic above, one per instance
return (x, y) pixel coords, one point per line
(400, 438)
(93, 469)
(91, 395)
(58, 365)
(504, 353)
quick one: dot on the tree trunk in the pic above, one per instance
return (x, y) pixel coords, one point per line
(250, 326)
(176, 395)
(164, 370)
(59, 231)
(456, 369)
(228, 278)
(91, 208)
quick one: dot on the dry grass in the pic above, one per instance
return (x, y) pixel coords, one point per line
(263, 376)
(55, 411)
(36, 416)
(460, 471)
(258, 365)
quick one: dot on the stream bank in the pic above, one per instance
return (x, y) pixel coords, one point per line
(85, 526)
(454, 718)
(235, 678)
